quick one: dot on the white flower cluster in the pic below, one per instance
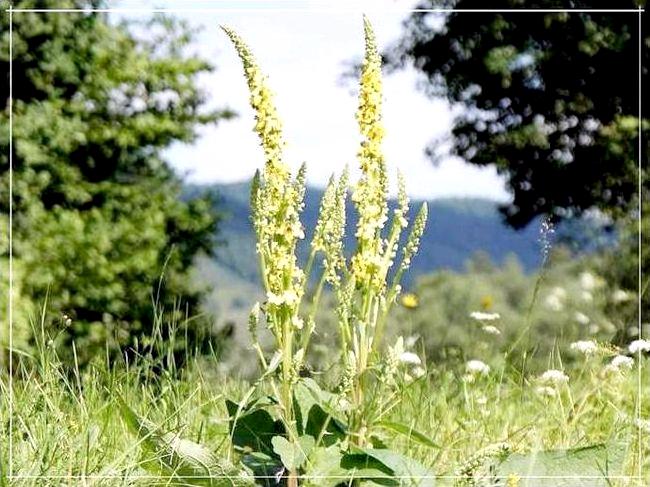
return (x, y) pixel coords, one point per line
(586, 347)
(639, 346)
(481, 316)
(554, 377)
(619, 364)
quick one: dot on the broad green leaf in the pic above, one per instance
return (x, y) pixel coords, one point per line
(293, 455)
(253, 429)
(315, 414)
(184, 461)
(265, 468)
(407, 471)
(408, 432)
(324, 468)
(580, 467)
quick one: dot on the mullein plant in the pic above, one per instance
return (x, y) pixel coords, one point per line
(301, 434)
(319, 438)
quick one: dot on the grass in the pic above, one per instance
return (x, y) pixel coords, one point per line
(66, 423)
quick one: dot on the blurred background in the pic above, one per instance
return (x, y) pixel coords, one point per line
(133, 149)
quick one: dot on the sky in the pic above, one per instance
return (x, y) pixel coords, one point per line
(305, 47)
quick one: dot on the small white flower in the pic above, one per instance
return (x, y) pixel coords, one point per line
(554, 376)
(588, 281)
(620, 363)
(553, 302)
(620, 296)
(481, 400)
(559, 291)
(639, 346)
(546, 391)
(411, 340)
(491, 330)
(418, 372)
(475, 367)
(288, 297)
(481, 316)
(297, 322)
(582, 318)
(587, 347)
(410, 358)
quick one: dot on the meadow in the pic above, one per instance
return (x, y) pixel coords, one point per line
(68, 426)
(357, 381)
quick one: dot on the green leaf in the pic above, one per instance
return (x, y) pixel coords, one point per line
(184, 461)
(253, 429)
(315, 413)
(265, 468)
(408, 432)
(324, 468)
(407, 471)
(580, 467)
(293, 455)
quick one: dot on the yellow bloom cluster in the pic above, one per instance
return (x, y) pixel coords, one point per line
(371, 191)
(330, 228)
(276, 199)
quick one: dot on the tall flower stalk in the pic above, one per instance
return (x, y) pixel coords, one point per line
(366, 298)
(365, 286)
(276, 203)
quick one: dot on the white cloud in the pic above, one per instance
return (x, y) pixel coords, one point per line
(303, 52)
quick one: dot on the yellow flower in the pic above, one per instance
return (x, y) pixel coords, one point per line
(487, 302)
(410, 301)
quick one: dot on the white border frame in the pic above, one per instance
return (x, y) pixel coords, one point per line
(12, 10)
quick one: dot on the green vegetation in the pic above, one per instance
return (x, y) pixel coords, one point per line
(96, 210)
(550, 99)
(487, 377)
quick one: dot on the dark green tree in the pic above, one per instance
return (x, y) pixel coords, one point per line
(97, 213)
(550, 99)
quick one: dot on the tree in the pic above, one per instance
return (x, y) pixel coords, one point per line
(551, 99)
(97, 213)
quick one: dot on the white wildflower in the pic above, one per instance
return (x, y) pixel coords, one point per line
(621, 296)
(546, 391)
(481, 316)
(491, 330)
(588, 281)
(476, 367)
(639, 346)
(553, 376)
(554, 302)
(418, 372)
(581, 318)
(411, 340)
(619, 363)
(410, 358)
(587, 347)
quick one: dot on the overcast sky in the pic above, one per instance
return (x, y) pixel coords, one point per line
(303, 46)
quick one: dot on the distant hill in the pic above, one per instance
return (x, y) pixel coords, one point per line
(457, 228)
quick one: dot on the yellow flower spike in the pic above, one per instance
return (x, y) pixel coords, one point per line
(276, 199)
(371, 192)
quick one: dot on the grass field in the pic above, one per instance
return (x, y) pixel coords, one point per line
(66, 427)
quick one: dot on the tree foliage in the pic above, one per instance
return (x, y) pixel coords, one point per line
(551, 99)
(97, 216)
